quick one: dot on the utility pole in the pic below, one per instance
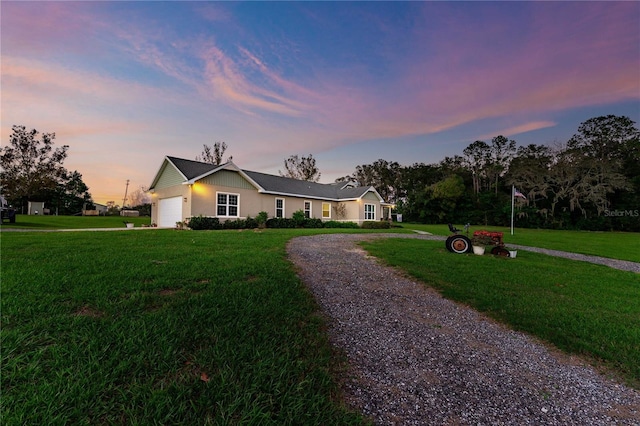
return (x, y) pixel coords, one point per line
(124, 200)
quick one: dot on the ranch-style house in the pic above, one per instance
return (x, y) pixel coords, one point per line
(183, 189)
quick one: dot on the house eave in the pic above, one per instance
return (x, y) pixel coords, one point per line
(226, 166)
(155, 179)
(305, 196)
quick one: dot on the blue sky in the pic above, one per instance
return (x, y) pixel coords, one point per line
(126, 83)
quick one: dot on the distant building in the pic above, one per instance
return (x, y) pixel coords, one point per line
(35, 208)
(102, 209)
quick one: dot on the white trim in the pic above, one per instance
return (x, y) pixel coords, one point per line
(227, 205)
(304, 208)
(283, 207)
(373, 210)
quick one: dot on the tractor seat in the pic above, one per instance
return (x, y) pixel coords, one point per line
(453, 229)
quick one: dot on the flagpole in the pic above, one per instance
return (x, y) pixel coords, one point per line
(513, 192)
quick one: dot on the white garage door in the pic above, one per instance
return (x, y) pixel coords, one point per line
(169, 212)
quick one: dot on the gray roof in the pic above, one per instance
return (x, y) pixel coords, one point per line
(191, 169)
(275, 184)
(284, 185)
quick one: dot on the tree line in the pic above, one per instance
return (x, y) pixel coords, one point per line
(590, 182)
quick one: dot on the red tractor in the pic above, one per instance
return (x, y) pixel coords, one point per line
(495, 239)
(457, 243)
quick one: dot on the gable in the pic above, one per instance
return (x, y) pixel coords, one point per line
(168, 176)
(370, 196)
(227, 178)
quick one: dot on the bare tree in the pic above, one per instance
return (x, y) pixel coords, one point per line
(301, 168)
(213, 155)
(139, 197)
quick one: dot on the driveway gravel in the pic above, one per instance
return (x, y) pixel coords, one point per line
(415, 358)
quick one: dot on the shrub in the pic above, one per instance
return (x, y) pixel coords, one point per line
(312, 223)
(200, 223)
(234, 224)
(298, 218)
(262, 219)
(251, 223)
(280, 222)
(382, 224)
(336, 224)
(297, 222)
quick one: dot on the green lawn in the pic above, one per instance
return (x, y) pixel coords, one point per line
(579, 307)
(197, 327)
(615, 245)
(162, 327)
(73, 222)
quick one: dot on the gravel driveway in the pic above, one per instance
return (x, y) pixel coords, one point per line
(416, 358)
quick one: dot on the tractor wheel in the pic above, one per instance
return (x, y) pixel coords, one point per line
(447, 243)
(500, 251)
(459, 244)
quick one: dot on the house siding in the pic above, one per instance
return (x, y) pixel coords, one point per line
(370, 196)
(228, 179)
(251, 202)
(169, 177)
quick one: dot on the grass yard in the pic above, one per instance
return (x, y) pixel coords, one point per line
(581, 308)
(73, 222)
(161, 327)
(214, 327)
(614, 245)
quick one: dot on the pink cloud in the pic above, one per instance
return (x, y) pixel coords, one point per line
(34, 27)
(462, 77)
(228, 82)
(518, 129)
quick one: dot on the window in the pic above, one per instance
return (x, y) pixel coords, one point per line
(326, 210)
(307, 209)
(369, 212)
(279, 207)
(228, 204)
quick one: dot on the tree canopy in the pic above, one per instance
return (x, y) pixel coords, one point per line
(590, 182)
(303, 168)
(32, 169)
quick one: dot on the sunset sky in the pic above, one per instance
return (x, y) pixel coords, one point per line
(126, 83)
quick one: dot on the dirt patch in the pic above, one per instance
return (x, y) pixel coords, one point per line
(88, 311)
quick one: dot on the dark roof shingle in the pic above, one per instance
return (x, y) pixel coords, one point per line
(275, 184)
(191, 169)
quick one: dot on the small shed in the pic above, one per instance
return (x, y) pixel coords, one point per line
(35, 207)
